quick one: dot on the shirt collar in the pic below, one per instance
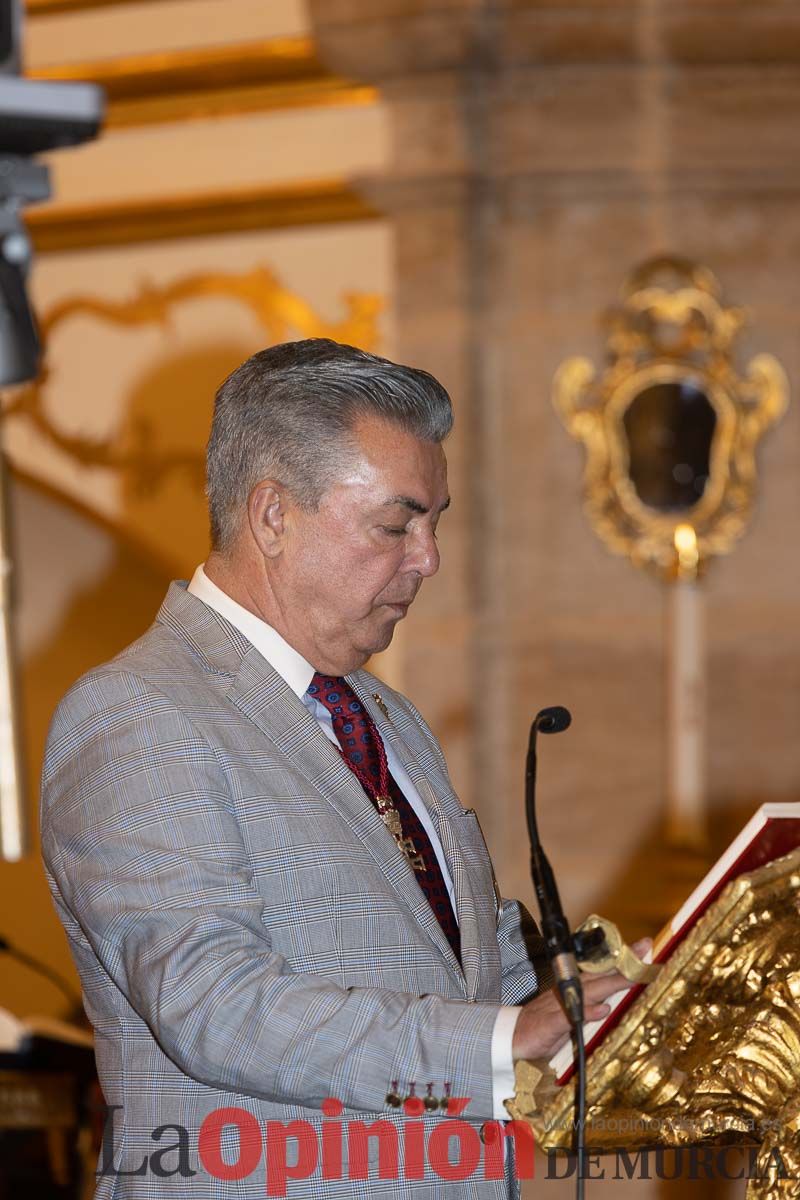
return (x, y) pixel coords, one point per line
(290, 665)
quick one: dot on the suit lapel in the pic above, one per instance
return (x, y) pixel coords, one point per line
(464, 896)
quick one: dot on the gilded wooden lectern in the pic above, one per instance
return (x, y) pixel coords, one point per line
(709, 1053)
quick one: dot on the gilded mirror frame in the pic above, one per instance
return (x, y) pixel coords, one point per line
(670, 334)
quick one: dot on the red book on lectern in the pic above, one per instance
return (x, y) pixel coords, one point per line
(770, 833)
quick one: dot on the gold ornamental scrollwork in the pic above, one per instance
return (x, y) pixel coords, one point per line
(670, 427)
(709, 1053)
(281, 313)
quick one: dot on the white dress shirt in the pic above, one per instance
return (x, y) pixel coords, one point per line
(298, 673)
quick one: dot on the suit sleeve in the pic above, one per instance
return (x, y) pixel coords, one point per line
(526, 969)
(146, 855)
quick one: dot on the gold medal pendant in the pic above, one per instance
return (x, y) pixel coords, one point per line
(391, 819)
(410, 850)
(390, 815)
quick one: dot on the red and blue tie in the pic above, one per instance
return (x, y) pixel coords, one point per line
(363, 751)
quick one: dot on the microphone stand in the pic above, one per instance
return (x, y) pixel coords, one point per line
(555, 929)
(33, 964)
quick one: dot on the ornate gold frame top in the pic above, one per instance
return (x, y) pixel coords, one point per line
(709, 1052)
(670, 365)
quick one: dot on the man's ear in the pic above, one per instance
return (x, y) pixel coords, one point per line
(267, 508)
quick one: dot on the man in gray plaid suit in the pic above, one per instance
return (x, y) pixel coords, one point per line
(285, 923)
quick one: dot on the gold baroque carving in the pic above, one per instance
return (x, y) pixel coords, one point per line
(663, 338)
(281, 313)
(709, 1052)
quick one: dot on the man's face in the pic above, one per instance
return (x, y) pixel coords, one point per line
(349, 571)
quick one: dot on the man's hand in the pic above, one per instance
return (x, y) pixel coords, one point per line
(542, 1026)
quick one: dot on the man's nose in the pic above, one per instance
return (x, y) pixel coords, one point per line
(424, 557)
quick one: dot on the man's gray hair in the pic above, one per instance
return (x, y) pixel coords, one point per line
(287, 414)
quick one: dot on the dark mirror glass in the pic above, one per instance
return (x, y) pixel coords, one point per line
(670, 427)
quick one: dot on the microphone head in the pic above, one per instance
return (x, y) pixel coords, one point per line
(553, 720)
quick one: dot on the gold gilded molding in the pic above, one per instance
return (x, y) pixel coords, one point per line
(135, 75)
(675, 341)
(212, 81)
(281, 313)
(709, 1052)
(36, 8)
(77, 227)
(226, 102)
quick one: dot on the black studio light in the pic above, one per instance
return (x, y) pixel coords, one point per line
(34, 116)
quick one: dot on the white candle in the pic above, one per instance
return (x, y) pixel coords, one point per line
(686, 710)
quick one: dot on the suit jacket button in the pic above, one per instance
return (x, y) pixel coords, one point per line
(489, 1132)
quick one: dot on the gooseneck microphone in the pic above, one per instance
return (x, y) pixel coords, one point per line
(558, 938)
(556, 931)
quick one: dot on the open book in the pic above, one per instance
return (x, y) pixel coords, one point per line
(772, 832)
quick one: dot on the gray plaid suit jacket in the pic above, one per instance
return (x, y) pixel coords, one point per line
(246, 930)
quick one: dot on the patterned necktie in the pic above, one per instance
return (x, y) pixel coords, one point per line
(363, 751)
